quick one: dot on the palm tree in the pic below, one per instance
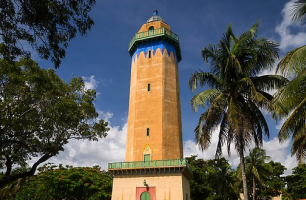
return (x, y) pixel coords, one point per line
(291, 99)
(257, 167)
(236, 93)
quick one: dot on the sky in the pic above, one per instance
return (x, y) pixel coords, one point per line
(102, 60)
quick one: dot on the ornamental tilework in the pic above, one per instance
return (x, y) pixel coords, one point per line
(153, 46)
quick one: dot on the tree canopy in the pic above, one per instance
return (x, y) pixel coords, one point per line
(39, 113)
(212, 179)
(45, 25)
(59, 182)
(296, 183)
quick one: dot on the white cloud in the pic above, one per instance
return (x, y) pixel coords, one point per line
(90, 82)
(277, 151)
(191, 148)
(105, 115)
(90, 153)
(287, 38)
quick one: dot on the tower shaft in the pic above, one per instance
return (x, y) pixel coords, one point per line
(154, 123)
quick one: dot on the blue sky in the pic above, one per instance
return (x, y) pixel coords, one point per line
(102, 59)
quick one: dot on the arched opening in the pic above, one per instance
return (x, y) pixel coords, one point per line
(151, 30)
(145, 196)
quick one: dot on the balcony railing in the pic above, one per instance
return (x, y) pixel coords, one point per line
(153, 33)
(147, 164)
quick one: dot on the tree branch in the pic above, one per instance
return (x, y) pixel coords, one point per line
(11, 178)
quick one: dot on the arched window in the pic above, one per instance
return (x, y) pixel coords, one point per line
(150, 53)
(151, 30)
(145, 196)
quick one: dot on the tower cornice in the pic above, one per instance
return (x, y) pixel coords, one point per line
(162, 34)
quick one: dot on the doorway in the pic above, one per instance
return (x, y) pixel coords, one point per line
(145, 196)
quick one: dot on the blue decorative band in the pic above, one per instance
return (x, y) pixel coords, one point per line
(153, 46)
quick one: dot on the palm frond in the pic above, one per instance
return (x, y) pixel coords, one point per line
(299, 10)
(210, 120)
(289, 96)
(294, 122)
(263, 57)
(269, 82)
(293, 63)
(203, 98)
(263, 101)
(203, 78)
(222, 137)
(202, 138)
(246, 37)
(211, 54)
(246, 88)
(299, 145)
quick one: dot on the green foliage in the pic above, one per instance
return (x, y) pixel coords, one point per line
(264, 178)
(39, 113)
(10, 190)
(257, 169)
(47, 26)
(296, 183)
(237, 94)
(299, 10)
(290, 100)
(212, 180)
(68, 182)
(274, 183)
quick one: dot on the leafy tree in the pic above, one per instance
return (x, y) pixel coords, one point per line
(236, 92)
(68, 182)
(39, 113)
(46, 25)
(200, 187)
(296, 183)
(290, 100)
(275, 183)
(212, 179)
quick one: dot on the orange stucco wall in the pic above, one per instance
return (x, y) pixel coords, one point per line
(155, 24)
(162, 187)
(157, 109)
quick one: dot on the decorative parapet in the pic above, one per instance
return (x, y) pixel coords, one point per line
(150, 167)
(152, 163)
(161, 33)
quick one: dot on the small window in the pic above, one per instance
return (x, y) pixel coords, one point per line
(149, 87)
(150, 54)
(151, 30)
(148, 132)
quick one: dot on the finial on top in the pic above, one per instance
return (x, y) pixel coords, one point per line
(155, 12)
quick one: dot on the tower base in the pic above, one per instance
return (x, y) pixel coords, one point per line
(170, 183)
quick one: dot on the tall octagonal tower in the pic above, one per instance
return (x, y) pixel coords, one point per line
(154, 122)
(154, 168)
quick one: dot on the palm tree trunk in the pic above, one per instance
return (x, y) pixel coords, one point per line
(244, 182)
(254, 188)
